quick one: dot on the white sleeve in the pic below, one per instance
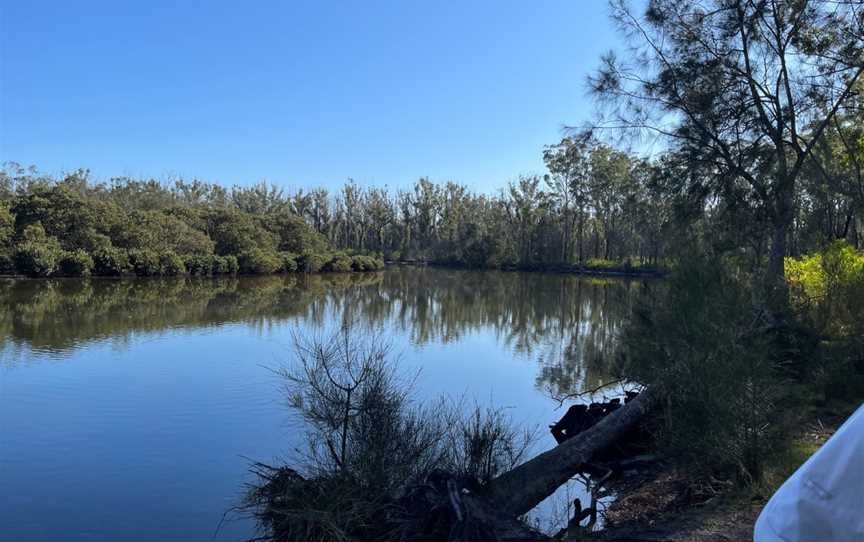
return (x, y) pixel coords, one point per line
(824, 499)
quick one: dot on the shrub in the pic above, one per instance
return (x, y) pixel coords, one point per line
(358, 263)
(226, 265)
(829, 286)
(7, 262)
(38, 255)
(339, 263)
(367, 443)
(145, 262)
(259, 262)
(366, 263)
(7, 226)
(171, 264)
(600, 263)
(698, 341)
(76, 263)
(219, 265)
(111, 261)
(289, 262)
(311, 262)
(201, 265)
(37, 259)
(827, 289)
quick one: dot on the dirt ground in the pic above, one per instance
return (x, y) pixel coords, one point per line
(722, 522)
(661, 504)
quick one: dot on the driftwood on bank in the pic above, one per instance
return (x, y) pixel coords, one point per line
(580, 417)
(490, 513)
(445, 507)
(519, 490)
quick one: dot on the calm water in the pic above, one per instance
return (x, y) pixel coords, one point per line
(129, 409)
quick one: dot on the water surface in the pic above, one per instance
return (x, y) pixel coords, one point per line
(129, 409)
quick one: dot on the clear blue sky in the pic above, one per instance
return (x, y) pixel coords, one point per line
(297, 93)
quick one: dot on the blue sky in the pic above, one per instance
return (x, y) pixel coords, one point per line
(298, 93)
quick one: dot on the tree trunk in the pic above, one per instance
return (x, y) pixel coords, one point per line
(580, 240)
(519, 490)
(776, 289)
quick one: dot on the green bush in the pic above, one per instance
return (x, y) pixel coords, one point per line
(827, 292)
(76, 263)
(145, 262)
(220, 265)
(259, 262)
(358, 263)
(38, 255)
(311, 262)
(696, 342)
(7, 226)
(366, 263)
(829, 287)
(37, 259)
(289, 262)
(7, 262)
(600, 263)
(339, 263)
(171, 264)
(201, 265)
(226, 265)
(110, 261)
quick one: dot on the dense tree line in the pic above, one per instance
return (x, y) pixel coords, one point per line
(73, 227)
(596, 206)
(761, 156)
(594, 203)
(746, 170)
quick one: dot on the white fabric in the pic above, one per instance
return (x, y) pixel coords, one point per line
(823, 501)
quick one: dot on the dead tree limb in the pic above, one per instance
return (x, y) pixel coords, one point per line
(519, 490)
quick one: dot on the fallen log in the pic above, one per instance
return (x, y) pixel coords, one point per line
(580, 417)
(444, 509)
(519, 490)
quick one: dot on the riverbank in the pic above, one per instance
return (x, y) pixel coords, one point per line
(341, 263)
(664, 503)
(136, 264)
(605, 270)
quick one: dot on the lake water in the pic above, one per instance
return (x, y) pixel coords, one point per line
(130, 409)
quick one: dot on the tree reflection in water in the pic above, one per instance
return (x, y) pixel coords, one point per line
(567, 324)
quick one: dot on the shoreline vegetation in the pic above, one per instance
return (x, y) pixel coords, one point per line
(365, 263)
(597, 210)
(72, 226)
(593, 268)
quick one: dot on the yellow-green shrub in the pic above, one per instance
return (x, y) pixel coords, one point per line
(811, 277)
(829, 286)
